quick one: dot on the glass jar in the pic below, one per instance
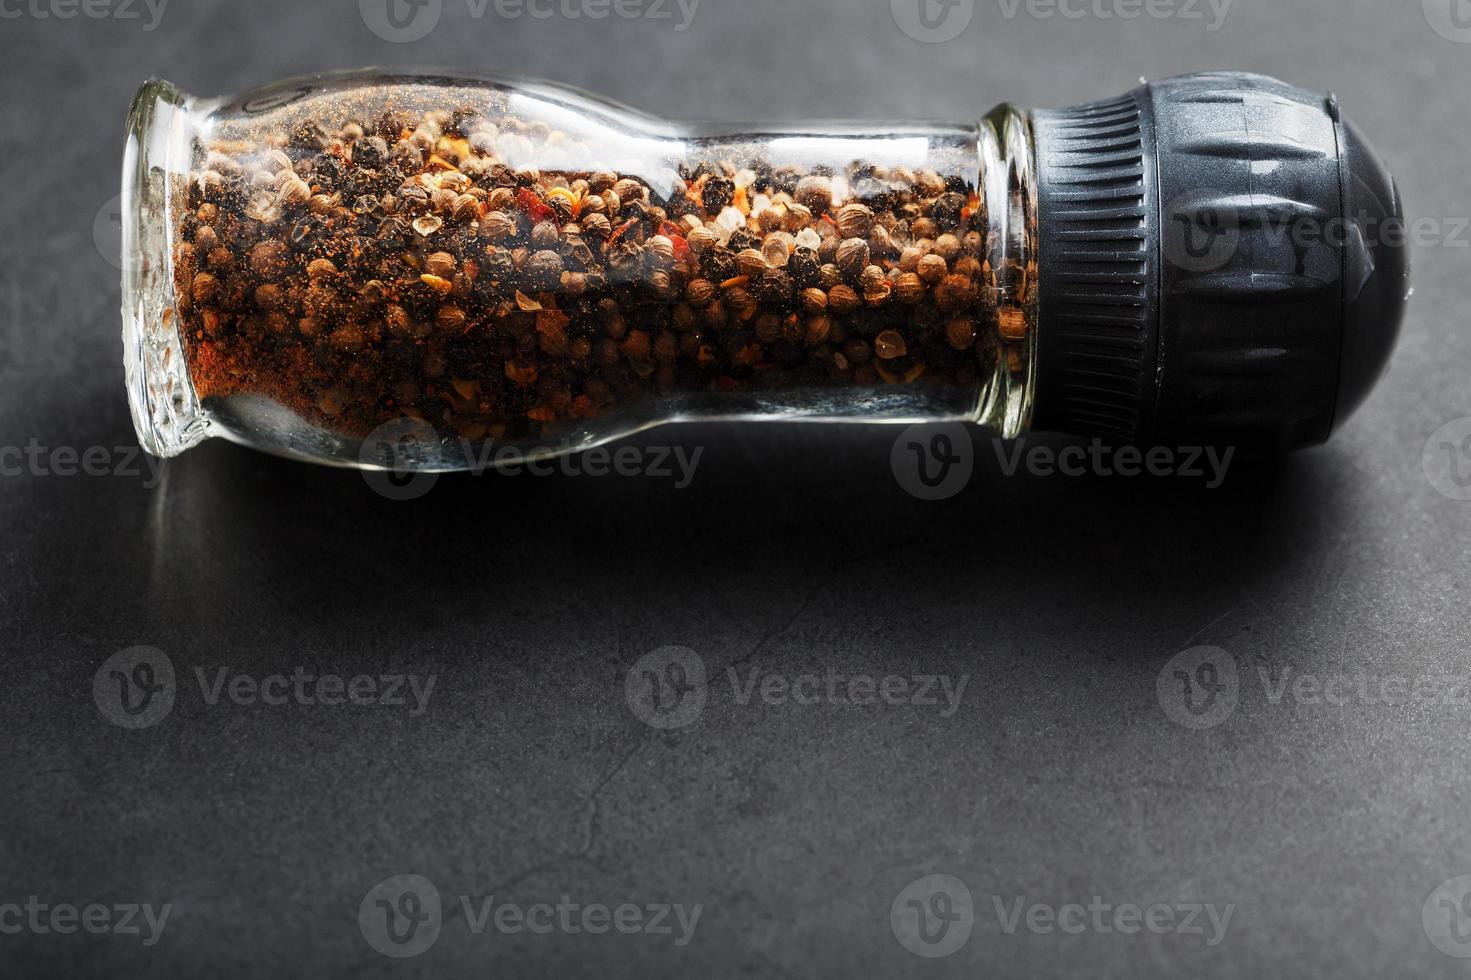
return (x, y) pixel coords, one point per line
(428, 266)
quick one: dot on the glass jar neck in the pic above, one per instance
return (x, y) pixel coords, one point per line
(1008, 165)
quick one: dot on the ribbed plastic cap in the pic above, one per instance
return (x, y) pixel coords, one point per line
(1221, 262)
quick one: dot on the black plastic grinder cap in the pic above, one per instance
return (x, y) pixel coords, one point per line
(1221, 261)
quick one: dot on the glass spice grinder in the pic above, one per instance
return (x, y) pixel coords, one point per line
(425, 270)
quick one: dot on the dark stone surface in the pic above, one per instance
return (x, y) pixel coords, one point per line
(1059, 777)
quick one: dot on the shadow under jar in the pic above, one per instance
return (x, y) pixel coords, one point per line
(445, 268)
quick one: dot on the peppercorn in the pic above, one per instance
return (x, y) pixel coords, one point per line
(699, 293)
(740, 239)
(961, 333)
(714, 315)
(629, 189)
(777, 248)
(220, 258)
(499, 265)
(596, 227)
(450, 318)
(852, 257)
(466, 209)
(1011, 324)
(854, 220)
(889, 345)
(814, 193)
(440, 264)
(700, 239)
(545, 235)
(544, 268)
(909, 288)
(268, 259)
(718, 264)
(947, 209)
(660, 285)
(818, 329)
(204, 287)
(636, 345)
(842, 298)
(370, 153)
(666, 348)
(616, 327)
(716, 195)
(947, 247)
(804, 266)
(296, 192)
(396, 318)
(878, 293)
(773, 286)
(955, 293)
(931, 268)
(660, 250)
(750, 262)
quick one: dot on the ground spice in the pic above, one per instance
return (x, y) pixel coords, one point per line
(362, 269)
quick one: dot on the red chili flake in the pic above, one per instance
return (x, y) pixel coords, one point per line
(681, 247)
(533, 205)
(695, 191)
(621, 229)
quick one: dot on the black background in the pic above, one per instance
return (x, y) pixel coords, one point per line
(1059, 778)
